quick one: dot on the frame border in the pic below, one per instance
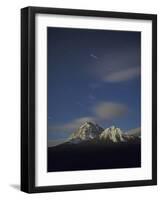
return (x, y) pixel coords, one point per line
(28, 98)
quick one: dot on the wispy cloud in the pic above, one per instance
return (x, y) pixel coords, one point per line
(93, 56)
(109, 110)
(121, 75)
(135, 131)
(101, 111)
(116, 67)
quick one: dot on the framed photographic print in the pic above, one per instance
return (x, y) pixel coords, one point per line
(88, 99)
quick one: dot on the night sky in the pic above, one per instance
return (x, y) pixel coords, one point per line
(93, 75)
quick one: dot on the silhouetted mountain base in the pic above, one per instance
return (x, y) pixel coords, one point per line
(90, 156)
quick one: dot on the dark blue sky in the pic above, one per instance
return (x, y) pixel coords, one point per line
(92, 75)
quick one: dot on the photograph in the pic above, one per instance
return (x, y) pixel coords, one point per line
(89, 99)
(93, 99)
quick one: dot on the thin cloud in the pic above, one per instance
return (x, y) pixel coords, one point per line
(101, 111)
(117, 67)
(93, 56)
(122, 75)
(109, 110)
(135, 131)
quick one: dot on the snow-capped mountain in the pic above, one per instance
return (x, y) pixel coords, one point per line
(87, 131)
(112, 134)
(136, 132)
(132, 135)
(90, 131)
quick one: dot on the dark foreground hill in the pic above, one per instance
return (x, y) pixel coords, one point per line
(89, 155)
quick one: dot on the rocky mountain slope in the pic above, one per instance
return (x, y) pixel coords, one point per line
(112, 134)
(87, 131)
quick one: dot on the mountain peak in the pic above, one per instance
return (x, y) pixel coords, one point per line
(112, 134)
(88, 123)
(113, 127)
(88, 130)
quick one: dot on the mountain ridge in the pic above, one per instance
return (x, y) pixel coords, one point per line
(90, 131)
